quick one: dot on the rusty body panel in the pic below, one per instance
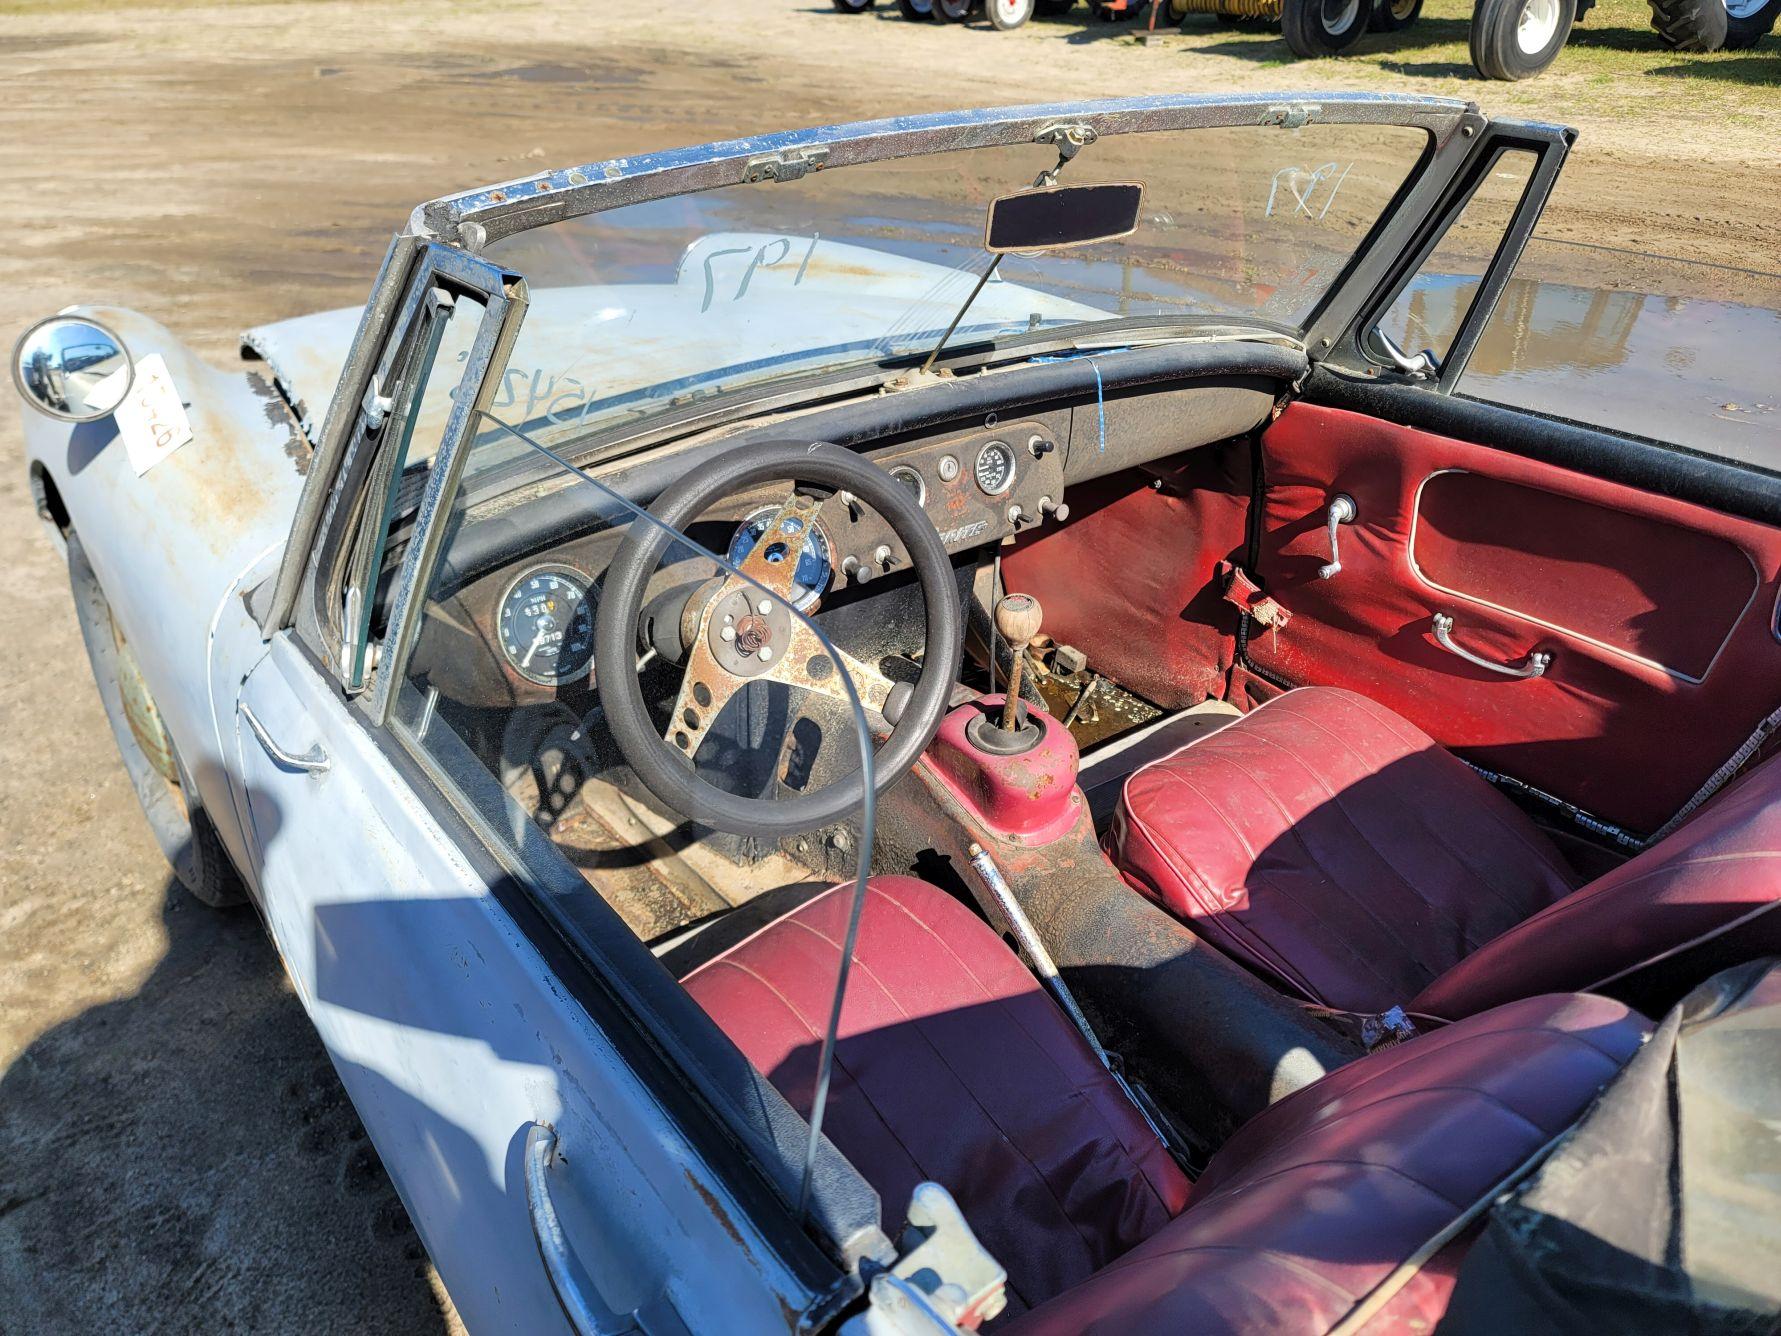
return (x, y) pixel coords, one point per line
(174, 548)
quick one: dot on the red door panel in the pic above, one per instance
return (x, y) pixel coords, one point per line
(1659, 614)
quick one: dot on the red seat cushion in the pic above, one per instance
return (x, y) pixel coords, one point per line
(952, 1065)
(1334, 848)
(1320, 1197)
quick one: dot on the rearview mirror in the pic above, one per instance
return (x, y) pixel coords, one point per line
(1051, 218)
(71, 368)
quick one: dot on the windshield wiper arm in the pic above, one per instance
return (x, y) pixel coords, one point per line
(960, 313)
(1069, 139)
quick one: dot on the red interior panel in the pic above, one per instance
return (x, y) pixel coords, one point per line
(1613, 600)
(1132, 579)
(1657, 590)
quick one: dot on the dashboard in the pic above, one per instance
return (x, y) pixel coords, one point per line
(521, 630)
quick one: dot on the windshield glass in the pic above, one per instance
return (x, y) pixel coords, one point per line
(656, 306)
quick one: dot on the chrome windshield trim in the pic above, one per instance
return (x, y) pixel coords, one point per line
(474, 218)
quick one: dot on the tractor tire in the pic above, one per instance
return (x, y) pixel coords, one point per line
(1748, 23)
(1315, 28)
(852, 6)
(1713, 25)
(1055, 9)
(1516, 39)
(953, 11)
(1007, 15)
(1394, 15)
(916, 11)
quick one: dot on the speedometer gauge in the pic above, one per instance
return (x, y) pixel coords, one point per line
(546, 627)
(995, 468)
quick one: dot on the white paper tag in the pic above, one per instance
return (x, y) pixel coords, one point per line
(151, 419)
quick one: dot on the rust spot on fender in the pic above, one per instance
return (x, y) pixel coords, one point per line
(716, 1208)
(281, 413)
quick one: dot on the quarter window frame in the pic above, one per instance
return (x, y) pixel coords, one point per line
(405, 338)
(1356, 352)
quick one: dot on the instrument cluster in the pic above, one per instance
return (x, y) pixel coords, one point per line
(978, 488)
(982, 487)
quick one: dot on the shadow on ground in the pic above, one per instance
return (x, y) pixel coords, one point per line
(1762, 69)
(144, 1143)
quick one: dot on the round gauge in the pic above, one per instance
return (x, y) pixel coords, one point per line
(995, 468)
(815, 563)
(913, 482)
(546, 627)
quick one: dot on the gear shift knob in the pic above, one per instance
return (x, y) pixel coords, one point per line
(1018, 618)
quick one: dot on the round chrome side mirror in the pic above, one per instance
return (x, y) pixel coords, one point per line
(71, 368)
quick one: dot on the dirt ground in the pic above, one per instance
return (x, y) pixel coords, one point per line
(175, 1153)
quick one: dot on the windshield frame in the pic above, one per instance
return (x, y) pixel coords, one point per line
(474, 218)
(478, 219)
(467, 221)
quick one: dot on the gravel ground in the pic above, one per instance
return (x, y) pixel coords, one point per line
(175, 1152)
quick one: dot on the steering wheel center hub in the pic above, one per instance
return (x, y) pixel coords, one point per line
(748, 632)
(751, 634)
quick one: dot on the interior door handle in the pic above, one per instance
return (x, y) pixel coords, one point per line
(312, 762)
(1341, 512)
(587, 1313)
(1536, 665)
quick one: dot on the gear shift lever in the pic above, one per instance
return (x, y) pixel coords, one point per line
(1018, 618)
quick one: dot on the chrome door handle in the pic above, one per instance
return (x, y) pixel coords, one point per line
(1341, 512)
(1536, 665)
(589, 1315)
(312, 762)
(1423, 366)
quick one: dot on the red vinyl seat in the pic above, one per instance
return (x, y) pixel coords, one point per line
(1319, 1199)
(1339, 852)
(954, 1066)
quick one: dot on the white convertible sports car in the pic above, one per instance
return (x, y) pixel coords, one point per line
(942, 724)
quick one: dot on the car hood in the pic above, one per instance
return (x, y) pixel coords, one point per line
(654, 337)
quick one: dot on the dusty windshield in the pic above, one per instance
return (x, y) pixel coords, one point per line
(659, 305)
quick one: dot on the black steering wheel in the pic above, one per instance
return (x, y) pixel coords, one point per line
(740, 630)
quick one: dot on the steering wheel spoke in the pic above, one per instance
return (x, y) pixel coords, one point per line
(773, 561)
(704, 691)
(810, 664)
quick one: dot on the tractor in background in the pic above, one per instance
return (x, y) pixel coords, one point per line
(1510, 39)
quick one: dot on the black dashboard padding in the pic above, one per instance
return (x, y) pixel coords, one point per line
(1669, 470)
(1037, 384)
